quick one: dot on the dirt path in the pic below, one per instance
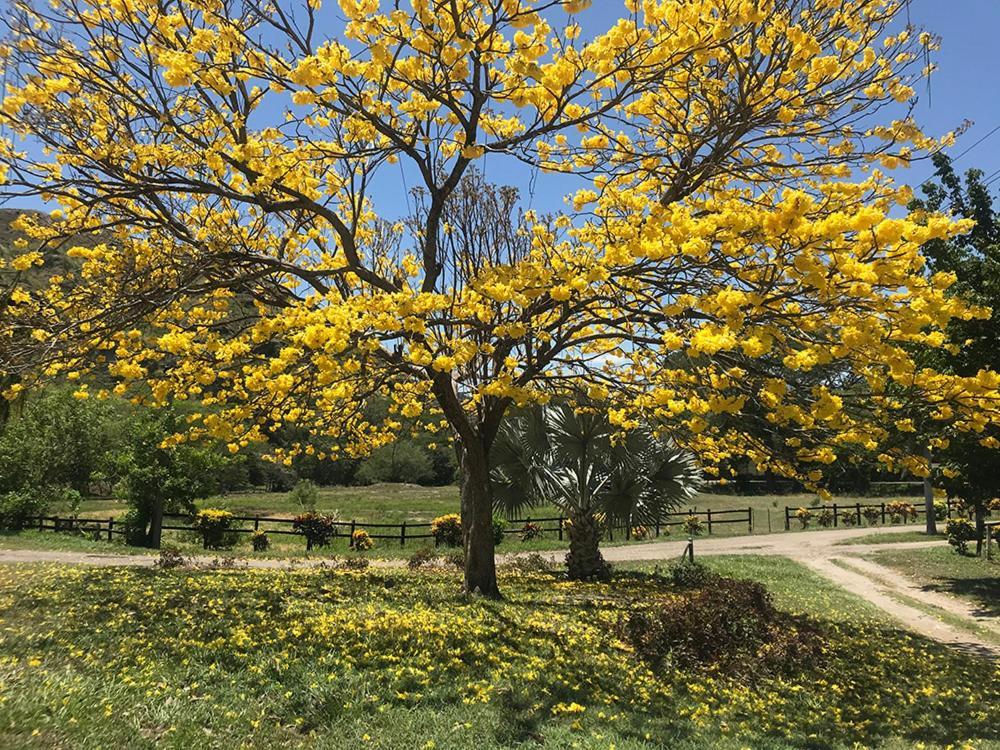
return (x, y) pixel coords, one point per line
(824, 552)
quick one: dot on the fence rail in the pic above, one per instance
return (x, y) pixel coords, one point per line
(404, 532)
(856, 512)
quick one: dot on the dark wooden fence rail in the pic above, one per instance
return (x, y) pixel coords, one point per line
(403, 532)
(856, 510)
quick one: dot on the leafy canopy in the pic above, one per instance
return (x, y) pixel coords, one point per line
(734, 220)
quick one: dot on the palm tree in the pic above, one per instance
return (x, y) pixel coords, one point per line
(582, 464)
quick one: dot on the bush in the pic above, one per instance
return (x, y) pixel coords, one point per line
(455, 558)
(305, 494)
(940, 510)
(901, 511)
(447, 530)
(530, 531)
(361, 540)
(533, 563)
(214, 525)
(960, 532)
(18, 506)
(499, 527)
(355, 563)
(730, 627)
(260, 540)
(690, 575)
(421, 557)
(848, 517)
(640, 532)
(170, 557)
(825, 518)
(872, 515)
(804, 515)
(693, 526)
(317, 528)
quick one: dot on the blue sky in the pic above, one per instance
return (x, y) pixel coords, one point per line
(965, 86)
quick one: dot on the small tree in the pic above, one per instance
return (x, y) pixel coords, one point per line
(582, 464)
(156, 477)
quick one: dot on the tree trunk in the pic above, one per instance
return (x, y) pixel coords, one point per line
(929, 496)
(980, 527)
(477, 521)
(584, 560)
(155, 533)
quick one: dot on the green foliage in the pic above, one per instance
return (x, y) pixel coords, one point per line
(499, 528)
(58, 440)
(318, 529)
(260, 540)
(530, 531)
(872, 515)
(305, 494)
(690, 575)
(447, 530)
(804, 516)
(214, 525)
(18, 505)
(960, 532)
(155, 479)
(401, 461)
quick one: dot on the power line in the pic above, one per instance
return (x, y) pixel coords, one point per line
(997, 128)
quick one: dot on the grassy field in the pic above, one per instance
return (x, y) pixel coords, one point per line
(904, 536)
(394, 503)
(128, 658)
(942, 569)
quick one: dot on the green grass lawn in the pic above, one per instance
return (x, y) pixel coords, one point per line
(903, 536)
(130, 658)
(942, 569)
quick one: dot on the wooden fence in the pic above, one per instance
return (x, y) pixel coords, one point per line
(403, 532)
(856, 510)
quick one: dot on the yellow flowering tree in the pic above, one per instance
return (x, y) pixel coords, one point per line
(733, 221)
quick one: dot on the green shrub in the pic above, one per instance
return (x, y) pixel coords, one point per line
(318, 529)
(533, 563)
(690, 575)
(447, 530)
(901, 511)
(940, 510)
(872, 515)
(260, 540)
(454, 558)
(305, 494)
(17, 506)
(848, 517)
(960, 532)
(170, 557)
(499, 528)
(825, 518)
(730, 627)
(214, 525)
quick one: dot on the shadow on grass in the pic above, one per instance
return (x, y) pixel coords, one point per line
(984, 592)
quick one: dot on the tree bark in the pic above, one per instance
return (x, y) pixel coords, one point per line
(477, 521)
(155, 533)
(980, 527)
(584, 560)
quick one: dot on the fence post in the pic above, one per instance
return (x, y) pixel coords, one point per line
(55, 523)
(787, 524)
(41, 523)
(883, 513)
(402, 534)
(859, 513)
(749, 519)
(111, 525)
(256, 522)
(835, 515)
(709, 520)
(560, 527)
(657, 525)
(351, 544)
